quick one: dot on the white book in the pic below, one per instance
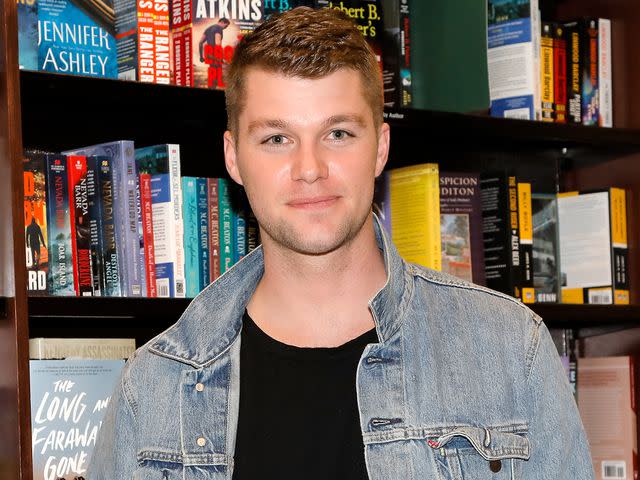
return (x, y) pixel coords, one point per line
(69, 348)
(604, 73)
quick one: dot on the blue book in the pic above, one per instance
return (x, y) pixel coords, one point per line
(68, 402)
(77, 38)
(61, 269)
(28, 34)
(203, 232)
(126, 206)
(239, 233)
(191, 239)
(226, 225)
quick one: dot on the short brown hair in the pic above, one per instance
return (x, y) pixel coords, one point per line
(304, 43)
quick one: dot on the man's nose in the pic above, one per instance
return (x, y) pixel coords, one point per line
(309, 163)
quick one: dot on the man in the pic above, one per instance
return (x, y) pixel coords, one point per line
(211, 53)
(323, 355)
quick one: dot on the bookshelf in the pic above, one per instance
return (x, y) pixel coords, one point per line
(58, 112)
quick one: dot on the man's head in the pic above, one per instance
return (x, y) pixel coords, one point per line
(224, 22)
(304, 43)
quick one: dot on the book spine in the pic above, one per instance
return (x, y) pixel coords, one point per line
(147, 231)
(190, 219)
(619, 246)
(162, 42)
(226, 225)
(239, 234)
(163, 234)
(405, 77)
(79, 218)
(109, 254)
(574, 83)
(204, 260)
(214, 229)
(253, 231)
(141, 241)
(176, 198)
(61, 276)
(560, 74)
(177, 62)
(590, 72)
(536, 33)
(515, 265)
(547, 74)
(95, 224)
(35, 223)
(130, 207)
(525, 223)
(605, 82)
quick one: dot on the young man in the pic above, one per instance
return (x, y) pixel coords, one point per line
(323, 355)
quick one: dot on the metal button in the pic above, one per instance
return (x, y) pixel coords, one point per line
(201, 442)
(495, 466)
(199, 387)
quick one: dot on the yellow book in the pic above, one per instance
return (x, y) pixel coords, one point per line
(415, 214)
(546, 72)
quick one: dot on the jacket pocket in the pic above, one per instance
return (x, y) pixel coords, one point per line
(474, 453)
(159, 465)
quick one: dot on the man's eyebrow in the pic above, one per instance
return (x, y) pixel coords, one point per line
(345, 118)
(267, 123)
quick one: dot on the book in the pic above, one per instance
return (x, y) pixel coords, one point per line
(461, 226)
(525, 289)
(546, 265)
(162, 162)
(191, 237)
(605, 69)
(547, 72)
(61, 267)
(27, 34)
(253, 232)
(415, 214)
(511, 57)
(146, 206)
(126, 208)
(559, 74)
(108, 225)
(501, 232)
(574, 68)
(77, 37)
(607, 405)
(41, 348)
(225, 223)
(214, 229)
(589, 71)
(68, 402)
(396, 54)
(279, 6)
(35, 222)
(593, 247)
(240, 207)
(94, 207)
(204, 260)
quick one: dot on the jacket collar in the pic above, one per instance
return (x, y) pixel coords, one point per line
(213, 320)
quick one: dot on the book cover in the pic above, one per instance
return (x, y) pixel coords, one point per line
(35, 222)
(125, 200)
(27, 34)
(41, 348)
(589, 71)
(253, 231)
(511, 58)
(501, 232)
(226, 225)
(461, 226)
(68, 402)
(605, 69)
(547, 72)
(109, 254)
(216, 30)
(279, 6)
(166, 192)
(80, 228)
(574, 69)
(593, 247)
(546, 265)
(94, 206)
(608, 409)
(141, 246)
(560, 73)
(415, 214)
(77, 37)
(405, 81)
(525, 225)
(214, 229)
(146, 205)
(239, 205)
(191, 237)
(204, 257)
(61, 268)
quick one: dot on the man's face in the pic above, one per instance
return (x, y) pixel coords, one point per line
(307, 152)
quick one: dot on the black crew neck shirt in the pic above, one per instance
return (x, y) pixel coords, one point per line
(298, 416)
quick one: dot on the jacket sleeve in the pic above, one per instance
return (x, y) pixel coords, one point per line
(559, 446)
(114, 455)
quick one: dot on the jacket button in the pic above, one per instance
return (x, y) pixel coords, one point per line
(201, 442)
(199, 387)
(495, 466)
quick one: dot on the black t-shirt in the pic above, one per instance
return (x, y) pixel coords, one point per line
(298, 410)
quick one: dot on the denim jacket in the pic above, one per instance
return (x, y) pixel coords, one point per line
(465, 383)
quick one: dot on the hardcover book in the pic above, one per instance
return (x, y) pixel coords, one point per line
(546, 265)
(35, 222)
(68, 402)
(461, 226)
(77, 37)
(41, 348)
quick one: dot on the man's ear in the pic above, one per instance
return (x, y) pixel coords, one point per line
(231, 156)
(384, 140)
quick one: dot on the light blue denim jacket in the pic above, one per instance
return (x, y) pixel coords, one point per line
(465, 383)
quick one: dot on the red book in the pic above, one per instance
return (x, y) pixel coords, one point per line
(560, 74)
(214, 229)
(147, 233)
(80, 228)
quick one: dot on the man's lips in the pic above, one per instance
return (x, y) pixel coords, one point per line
(313, 202)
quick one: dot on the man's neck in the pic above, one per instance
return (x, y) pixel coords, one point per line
(319, 301)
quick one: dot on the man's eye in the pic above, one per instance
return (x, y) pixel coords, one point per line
(276, 140)
(339, 135)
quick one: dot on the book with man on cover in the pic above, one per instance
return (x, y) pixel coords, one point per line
(35, 222)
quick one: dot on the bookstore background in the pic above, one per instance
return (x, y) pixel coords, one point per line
(514, 164)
